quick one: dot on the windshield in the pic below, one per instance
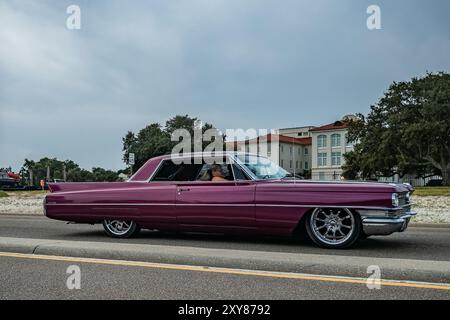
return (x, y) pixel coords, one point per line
(263, 168)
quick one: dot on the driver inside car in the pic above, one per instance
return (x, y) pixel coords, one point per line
(217, 173)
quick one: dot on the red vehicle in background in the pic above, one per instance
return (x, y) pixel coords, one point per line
(9, 179)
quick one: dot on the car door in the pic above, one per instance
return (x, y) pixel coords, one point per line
(156, 199)
(207, 206)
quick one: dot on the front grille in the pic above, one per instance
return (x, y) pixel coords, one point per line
(402, 199)
(404, 210)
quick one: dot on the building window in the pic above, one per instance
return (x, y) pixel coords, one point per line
(335, 158)
(348, 143)
(306, 151)
(335, 140)
(306, 165)
(305, 134)
(322, 159)
(282, 163)
(296, 164)
(322, 141)
(290, 151)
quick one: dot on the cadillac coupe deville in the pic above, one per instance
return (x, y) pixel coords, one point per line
(254, 196)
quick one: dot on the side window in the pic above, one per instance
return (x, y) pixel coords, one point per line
(170, 171)
(239, 174)
(166, 171)
(205, 172)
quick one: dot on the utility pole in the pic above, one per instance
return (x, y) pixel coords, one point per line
(131, 161)
(31, 178)
(64, 173)
(48, 173)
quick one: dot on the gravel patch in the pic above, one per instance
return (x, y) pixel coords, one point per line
(430, 209)
(22, 203)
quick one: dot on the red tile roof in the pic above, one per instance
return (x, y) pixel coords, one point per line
(277, 137)
(331, 126)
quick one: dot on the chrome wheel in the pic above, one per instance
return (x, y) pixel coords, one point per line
(332, 226)
(118, 227)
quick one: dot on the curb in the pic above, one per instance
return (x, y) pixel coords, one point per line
(17, 215)
(429, 225)
(399, 269)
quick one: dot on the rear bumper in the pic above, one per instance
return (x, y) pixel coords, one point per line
(383, 223)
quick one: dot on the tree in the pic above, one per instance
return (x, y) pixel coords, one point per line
(150, 142)
(100, 175)
(129, 142)
(73, 171)
(155, 140)
(408, 131)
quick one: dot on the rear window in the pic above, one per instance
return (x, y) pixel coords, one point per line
(170, 171)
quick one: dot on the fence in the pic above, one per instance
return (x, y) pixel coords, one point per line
(411, 179)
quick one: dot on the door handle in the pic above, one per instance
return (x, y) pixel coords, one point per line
(180, 190)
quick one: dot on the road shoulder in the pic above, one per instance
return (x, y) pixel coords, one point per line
(342, 265)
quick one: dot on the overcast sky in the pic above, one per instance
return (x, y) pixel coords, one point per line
(73, 94)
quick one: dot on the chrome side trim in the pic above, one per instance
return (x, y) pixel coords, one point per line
(218, 204)
(153, 204)
(109, 204)
(324, 206)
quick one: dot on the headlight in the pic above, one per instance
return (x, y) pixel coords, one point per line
(395, 201)
(408, 197)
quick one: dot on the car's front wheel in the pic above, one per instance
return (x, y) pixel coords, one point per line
(120, 229)
(333, 228)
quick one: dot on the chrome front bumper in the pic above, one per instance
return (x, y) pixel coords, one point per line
(383, 223)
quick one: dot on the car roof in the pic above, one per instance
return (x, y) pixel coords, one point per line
(207, 154)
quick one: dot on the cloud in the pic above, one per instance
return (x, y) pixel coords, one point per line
(236, 64)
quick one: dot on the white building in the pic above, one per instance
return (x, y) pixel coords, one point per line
(291, 153)
(318, 150)
(297, 132)
(329, 144)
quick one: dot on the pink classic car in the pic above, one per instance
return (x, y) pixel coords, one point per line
(243, 194)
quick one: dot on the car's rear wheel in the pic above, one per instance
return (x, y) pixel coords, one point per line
(120, 228)
(333, 228)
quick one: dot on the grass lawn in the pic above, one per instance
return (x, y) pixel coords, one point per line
(3, 194)
(432, 191)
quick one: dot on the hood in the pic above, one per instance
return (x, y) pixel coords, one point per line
(344, 186)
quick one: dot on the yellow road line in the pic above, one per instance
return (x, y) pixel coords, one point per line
(392, 283)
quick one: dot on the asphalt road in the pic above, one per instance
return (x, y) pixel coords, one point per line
(43, 279)
(415, 243)
(33, 277)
